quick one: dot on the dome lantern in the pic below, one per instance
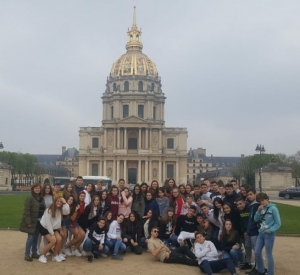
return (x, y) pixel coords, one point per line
(134, 36)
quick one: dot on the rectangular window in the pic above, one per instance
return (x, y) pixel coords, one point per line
(141, 111)
(95, 142)
(112, 112)
(170, 171)
(154, 113)
(170, 143)
(125, 111)
(95, 169)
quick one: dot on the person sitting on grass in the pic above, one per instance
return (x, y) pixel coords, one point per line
(50, 228)
(207, 256)
(95, 243)
(181, 255)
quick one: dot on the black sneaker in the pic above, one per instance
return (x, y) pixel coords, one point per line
(246, 266)
(96, 256)
(90, 258)
(28, 258)
(35, 256)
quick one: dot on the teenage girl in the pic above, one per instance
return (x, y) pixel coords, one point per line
(189, 189)
(149, 221)
(230, 213)
(69, 191)
(154, 188)
(163, 202)
(151, 204)
(167, 228)
(113, 199)
(176, 201)
(108, 219)
(138, 202)
(104, 202)
(47, 194)
(50, 227)
(125, 203)
(90, 192)
(74, 228)
(144, 188)
(91, 213)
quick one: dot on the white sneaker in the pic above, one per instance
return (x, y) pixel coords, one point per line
(61, 256)
(48, 254)
(83, 253)
(103, 255)
(42, 259)
(76, 253)
(67, 251)
(56, 259)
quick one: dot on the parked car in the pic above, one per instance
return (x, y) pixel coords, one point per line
(290, 193)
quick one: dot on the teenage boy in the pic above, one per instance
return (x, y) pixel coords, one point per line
(244, 213)
(214, 190)
(121, 185)
(231, 195)
(56, 191)
(181, 255)
(207, 256)
(186, 225)
(197, 192)
(79, 185)
(235, 186)
(252, 228)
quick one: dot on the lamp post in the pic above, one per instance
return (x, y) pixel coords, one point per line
(1, 146)
(261, 149)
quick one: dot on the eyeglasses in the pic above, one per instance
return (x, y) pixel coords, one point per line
(155, 231)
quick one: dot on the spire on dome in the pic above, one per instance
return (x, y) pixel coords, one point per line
(134, 36)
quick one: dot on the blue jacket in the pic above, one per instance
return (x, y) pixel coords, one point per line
(270, 221)
(252, 228)
(152, 205)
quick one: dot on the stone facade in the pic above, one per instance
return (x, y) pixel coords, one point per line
(133, 142)
(274, 177)
(5, 177)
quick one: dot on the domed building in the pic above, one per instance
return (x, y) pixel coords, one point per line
(133, 142)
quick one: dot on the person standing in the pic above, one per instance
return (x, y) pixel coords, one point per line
(34, 208)
(268, 217)
(79, 185)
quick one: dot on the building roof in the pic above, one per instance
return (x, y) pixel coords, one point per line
(69, 153)
(54, 170)
(215, 173)
(47, 159)
(4, 166)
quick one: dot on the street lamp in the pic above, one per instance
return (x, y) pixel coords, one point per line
(1, 146)
(261, 149)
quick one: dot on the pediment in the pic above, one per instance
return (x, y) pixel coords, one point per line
(133, 119)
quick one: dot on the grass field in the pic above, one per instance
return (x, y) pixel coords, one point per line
(11, 209)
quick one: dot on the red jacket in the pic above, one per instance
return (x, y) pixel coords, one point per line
(113, 206)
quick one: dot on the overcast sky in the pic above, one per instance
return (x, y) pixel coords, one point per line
(229, 69)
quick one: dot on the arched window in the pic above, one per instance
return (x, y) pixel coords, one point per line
(126, 86)
(141, 86)
(152, 87)
(114, 87)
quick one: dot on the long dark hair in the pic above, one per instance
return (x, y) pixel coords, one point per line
(43, 192)
(154, 191)
(217, 210)
(122, 200)
(131, 226)
(92, 205)
(93, 191)
(72, 206)
(108, 222)
(165, 218)
(137, 197)
(153, 221)
(230, 236)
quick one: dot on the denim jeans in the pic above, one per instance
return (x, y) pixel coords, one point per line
(267, 241)
(235, 255)
(172, 240)
(89, 246)
(32, 241)
(210, 267)
(115, 245)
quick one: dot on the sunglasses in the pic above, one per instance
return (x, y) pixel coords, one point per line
(155, 231)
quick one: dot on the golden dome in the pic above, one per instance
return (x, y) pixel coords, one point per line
(134, 62)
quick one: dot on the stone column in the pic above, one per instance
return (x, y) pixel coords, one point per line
(115, 139)
(177, 171)
(118, 139)
(164, 170)
(150, 138)
(88, 168)
(100, 168)
(125, 171)
(150, 171)
(146, 171)
(104, 168)
(146, 140)
(125, 138)
(114, 171)
(118, 170)
(139, 171)
(160, 142)
(159, 172)
(104, 139)
(140, 138)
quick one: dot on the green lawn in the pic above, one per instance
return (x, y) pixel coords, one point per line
(11, 209)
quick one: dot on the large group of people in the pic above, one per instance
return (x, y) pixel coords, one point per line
(211, 225)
